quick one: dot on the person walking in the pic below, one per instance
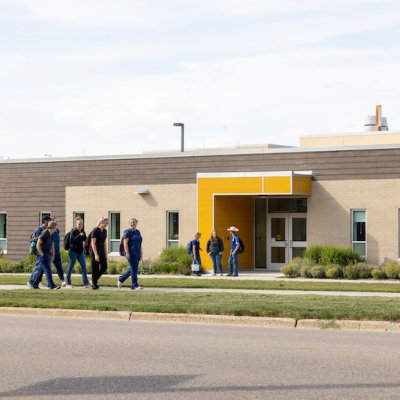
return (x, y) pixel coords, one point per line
(215, 247)
(57, 255)
(34, 275)
(196, 259)
(77, 238)
(233, 255)
(98, 251)
(45, 255)
(132, 240)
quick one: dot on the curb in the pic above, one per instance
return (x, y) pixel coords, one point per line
(129, 316)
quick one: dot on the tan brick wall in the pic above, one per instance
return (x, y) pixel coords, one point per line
(329, 217)
(149, 209)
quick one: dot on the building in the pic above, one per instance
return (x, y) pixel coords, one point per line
(338, 189)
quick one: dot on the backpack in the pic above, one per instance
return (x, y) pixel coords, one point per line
(189, 247)
(241, 246)
(33, 242)
(88, 244)
(67, 240)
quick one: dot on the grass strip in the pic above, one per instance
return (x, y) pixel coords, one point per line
(228, 283)
(260, 305)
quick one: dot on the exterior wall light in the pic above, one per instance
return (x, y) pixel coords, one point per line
(142, 191)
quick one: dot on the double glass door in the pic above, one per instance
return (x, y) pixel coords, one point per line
(286, 238)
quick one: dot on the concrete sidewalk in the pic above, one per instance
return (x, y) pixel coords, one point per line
(246, 275)
(210, 290)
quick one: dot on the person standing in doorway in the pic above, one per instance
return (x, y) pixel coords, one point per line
(215, 247)
(98, 251)
(132, 240)
(196, 259)
(77, 239)
(233, 255)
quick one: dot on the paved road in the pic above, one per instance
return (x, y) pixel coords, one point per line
(56, 358)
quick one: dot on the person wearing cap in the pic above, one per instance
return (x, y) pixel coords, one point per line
(233, 255)
(45, 255)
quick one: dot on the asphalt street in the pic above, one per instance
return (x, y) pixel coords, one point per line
(57, 358)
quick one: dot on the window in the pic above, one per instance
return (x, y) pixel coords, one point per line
(43, 214)
(3, 233)
(294, 205)
(172, 228)
(359, 231)
(78, 214)
(115, 231)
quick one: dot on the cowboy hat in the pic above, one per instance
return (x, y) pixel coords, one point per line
(233, 229)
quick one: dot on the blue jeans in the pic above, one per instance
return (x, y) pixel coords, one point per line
(132, 271)
(43, 264)
(58, 264)
(37, 273)
(216, 260)
(233, 264)
(72, 260)
(198, 258)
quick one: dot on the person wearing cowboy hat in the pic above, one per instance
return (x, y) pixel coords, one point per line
(233, 255)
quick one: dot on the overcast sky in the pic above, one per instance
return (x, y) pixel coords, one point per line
(94, 77)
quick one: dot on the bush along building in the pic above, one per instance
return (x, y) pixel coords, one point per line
(332, 189)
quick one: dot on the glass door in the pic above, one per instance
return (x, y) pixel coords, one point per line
(286, 239)
(298, 234)
(277, 241)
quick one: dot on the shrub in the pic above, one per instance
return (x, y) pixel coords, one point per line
(328, 254)
(334, 271)
(357, 271)
(391, 269)
(292, 270)
(305, 271)
(313, 254)
(378, 273)
(317, 271)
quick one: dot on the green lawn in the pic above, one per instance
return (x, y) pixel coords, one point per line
(230, 283)
(305, 306)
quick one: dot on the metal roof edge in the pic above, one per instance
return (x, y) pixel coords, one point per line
(203, 153)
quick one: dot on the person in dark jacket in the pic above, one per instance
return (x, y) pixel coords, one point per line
(215, 247)
(77, 239)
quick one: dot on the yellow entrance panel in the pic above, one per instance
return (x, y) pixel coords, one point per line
(277, 185)
(226, 199)
(235, 211)
(302, 185)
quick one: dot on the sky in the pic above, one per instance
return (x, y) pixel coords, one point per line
(100, 77)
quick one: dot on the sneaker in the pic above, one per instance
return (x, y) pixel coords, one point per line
(235, 275)
(68, 286)
(119, 284)
(138, 287)
(56, 287)
(95, 287)
(30, 286)
(228, 274)
(63, 284)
